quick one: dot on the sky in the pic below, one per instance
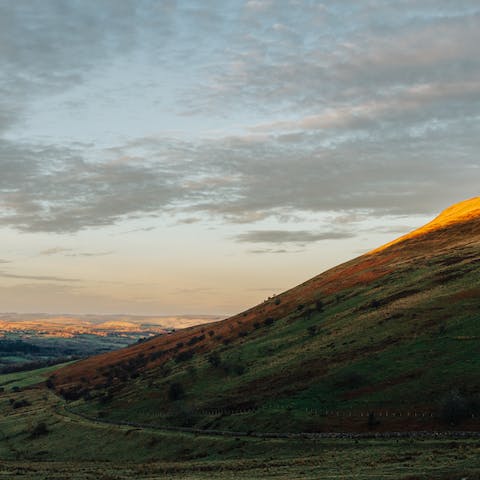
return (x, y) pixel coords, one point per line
(187, 157)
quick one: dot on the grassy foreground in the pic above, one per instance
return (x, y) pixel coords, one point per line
(70, 447)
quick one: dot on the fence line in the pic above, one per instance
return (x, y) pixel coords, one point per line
(288, 435)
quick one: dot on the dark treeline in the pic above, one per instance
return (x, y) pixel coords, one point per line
(18, 346)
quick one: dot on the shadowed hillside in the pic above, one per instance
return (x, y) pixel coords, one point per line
(387, 341)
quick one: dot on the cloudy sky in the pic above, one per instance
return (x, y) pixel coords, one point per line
(198, 156)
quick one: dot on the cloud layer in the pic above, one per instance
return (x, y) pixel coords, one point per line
(344, 107)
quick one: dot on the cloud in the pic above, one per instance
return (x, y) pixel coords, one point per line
(391, 171)
(373, 113)
(289, 236)
(194, 291)
(90, 254)
(41, 278)
(68, 252)
(417, 103)
(54, 189)
(258, 5)
(55, 251)
(261, 251)
(395, 47)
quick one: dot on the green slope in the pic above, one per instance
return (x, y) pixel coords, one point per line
(395, 333)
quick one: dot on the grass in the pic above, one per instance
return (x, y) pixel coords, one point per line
(78, 449)
(398, 330)
(409, 335)
(27, 378)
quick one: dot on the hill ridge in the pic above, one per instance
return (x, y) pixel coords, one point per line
(375, 332)
(457, 213)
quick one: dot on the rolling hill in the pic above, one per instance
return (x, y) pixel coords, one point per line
(387, 341)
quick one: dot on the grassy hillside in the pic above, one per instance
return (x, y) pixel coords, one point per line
(387, 341)
(40, 439)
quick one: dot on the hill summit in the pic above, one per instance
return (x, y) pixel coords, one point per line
(458, 213)
(384, 341)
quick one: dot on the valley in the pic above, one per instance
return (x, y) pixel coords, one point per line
(370, 367)
(387, 341)
(36, 340)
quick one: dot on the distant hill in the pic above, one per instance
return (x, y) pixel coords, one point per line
(386, 341)
(34, 340)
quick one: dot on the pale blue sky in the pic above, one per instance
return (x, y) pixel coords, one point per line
(196, 157)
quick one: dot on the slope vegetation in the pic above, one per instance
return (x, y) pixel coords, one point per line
(387, 341)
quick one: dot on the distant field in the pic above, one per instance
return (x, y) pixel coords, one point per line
(85, 450)
(28, 338)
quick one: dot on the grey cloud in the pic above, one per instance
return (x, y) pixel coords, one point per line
(389, 172)
(376, 113)
(416, 104)
(189, 220)
(68, 252)
(261, 251)
(49, 46)
(400, 229)
(54, 189)
(90, 254)
(343, 66)
(41, 278)
(55, 251)
(289, 236)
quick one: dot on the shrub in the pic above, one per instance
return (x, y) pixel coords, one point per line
(351, 380)
(372, 420)
(453, 408)
(39, 429)
(21, 403)
(184, 356)
(312, 330)
(374, 304)
(235, 367)
(195, 340)
(278, 301)
(105, 398)
(319, 306)
(214, 359)
(268, 321)
(175, 391)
